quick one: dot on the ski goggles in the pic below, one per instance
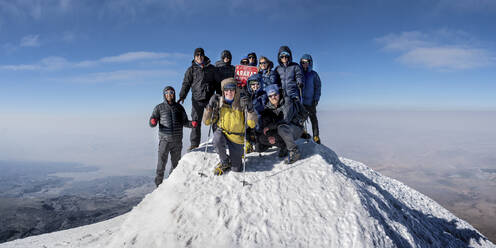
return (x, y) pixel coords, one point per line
(304, 61)
(169, 92)
(263, 63)
(253, 83)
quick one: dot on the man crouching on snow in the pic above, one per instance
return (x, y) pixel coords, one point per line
(171, 117)
(282, 122)
(228, 111)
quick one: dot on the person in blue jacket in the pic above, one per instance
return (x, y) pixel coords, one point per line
(311, 93)
(290, 73)
(268, 76)
(255, 91)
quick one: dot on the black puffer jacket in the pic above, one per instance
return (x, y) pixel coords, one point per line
(289, 111)
(224, 70)
(171, 119)
(201, 80)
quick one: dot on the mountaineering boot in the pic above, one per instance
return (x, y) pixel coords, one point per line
(305, 135)
(294, 155)
(283, 152)
(222, 168)
(316, 139)
(192, 147)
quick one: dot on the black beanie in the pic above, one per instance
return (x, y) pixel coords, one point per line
(199, 50)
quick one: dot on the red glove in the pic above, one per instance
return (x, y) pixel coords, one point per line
(194, 123)
(153, 122)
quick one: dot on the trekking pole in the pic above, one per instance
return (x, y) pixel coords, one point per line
(304, 123)
(206, 145)
(244, 152)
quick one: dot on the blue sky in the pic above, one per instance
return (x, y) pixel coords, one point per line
(113, 57)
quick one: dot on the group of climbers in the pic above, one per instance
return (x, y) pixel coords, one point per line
(270, 110)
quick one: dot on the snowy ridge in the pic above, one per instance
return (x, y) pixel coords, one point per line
(320, 201)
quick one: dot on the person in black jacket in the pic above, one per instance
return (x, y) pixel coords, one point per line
(201, 79)
(224, 68)
(171, 118)
(282, 121)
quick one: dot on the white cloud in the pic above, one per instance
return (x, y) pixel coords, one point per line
(446, 57)
(120, 76)
(57, 63)
(441, 49)
(30, 41)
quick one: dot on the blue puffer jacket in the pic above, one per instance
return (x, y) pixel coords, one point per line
(269, 78)
(258, 98)
(291, 75)
(311, 90)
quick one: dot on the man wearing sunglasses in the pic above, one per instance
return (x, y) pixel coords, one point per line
(252, 59)
(229, 112)
(200, 77)
(290, 73)
(282, 124)
(311, 93)
(171, 118)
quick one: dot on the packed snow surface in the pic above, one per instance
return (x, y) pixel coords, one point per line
(319, 201)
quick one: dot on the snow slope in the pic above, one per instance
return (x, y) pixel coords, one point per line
(320, 201)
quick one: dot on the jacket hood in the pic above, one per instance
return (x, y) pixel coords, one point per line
(254, 55)
(284, 49)
(309, 58)
(254, 77)
(206, 61)
(235, 103)
(226, 54)
(166, 89)
(221, 63)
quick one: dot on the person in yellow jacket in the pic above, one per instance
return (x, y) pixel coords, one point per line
(229, 112)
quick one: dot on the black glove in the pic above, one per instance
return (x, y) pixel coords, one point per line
(214, 101)
(315, 103)
(300, 85)
(245, 103)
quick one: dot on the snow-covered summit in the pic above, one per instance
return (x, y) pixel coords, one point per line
(320, 201)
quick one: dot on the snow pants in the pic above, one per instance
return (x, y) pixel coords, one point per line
(197, 108)
(289, 134)
(312, 110)
(235, 150)
(165, 147)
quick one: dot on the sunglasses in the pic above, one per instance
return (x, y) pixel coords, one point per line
(254, 83)
(263, 63)
(273, 95)
(305, 62)
(198, 55)
(230, 89)
(284, 56)
(251, 57)
(169, 92)
(245, 62)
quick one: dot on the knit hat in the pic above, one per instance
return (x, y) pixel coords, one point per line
(199, 50)
(272, 89)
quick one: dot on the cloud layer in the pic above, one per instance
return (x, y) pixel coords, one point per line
(442, 49)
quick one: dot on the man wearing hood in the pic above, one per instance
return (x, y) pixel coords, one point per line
(171, 118)
(200, 77)
(229, 112)
(290, 73)
(311, 93)
(224, 68)
(252, 59)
